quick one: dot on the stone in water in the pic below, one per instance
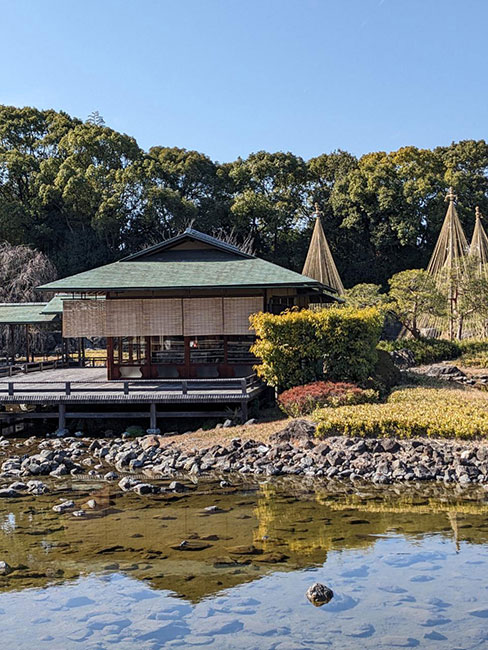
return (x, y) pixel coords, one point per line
(318, 594)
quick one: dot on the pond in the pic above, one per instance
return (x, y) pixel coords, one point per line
(407, 566)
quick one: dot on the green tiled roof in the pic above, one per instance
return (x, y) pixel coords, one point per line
(55, 305)
(233, 273)
(24, 313)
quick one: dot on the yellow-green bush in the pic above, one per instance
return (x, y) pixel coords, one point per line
(409, 412)
(299, 347)
(477, 360)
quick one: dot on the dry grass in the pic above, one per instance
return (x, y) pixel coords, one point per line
(268, 423)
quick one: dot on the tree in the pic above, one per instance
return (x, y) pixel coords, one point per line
(270, 204)
(413, 294)
(22, 270)
(95, 118)
(365, 295)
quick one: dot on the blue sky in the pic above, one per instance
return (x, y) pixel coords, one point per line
(229, 77)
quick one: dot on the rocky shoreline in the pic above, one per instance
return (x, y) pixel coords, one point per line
(294, 451)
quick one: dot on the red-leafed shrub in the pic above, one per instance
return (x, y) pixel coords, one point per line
(302, 400)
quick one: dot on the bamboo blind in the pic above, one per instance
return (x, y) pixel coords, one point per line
(144, 317)
(124, 317)
(202, 316)
(84, 318)
(237, 312)
(162, 317)
(159, 317)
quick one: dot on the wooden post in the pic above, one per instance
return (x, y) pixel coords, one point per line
(12, 343)
(62, 417)
(27, 350)
(244, 411)
(153, 423)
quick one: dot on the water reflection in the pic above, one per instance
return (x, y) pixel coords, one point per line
(406, 568)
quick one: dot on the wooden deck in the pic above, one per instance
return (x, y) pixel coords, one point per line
(71, 387)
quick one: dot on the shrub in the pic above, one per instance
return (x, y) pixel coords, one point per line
(299, 347)
(303, 400)
(425, 350)
(471, 347)
(411, 411)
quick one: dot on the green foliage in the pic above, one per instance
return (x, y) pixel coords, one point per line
(365, 295)
(425, 350)
(303, 400)
(299, 347)
(410, 412)
(413, 293)
(135, 431)
(82, 193)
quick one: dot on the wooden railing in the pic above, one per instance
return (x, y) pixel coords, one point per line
(31, 366)
(231, 386)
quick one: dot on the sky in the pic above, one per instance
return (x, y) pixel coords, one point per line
(230, 77)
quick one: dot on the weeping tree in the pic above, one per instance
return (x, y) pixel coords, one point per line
(22, 269)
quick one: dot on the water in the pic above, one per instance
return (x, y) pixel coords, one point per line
(408, 569)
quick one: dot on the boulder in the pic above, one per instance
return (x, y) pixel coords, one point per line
(5, 568)
(64, 506)
(318, 594)
(295, 431)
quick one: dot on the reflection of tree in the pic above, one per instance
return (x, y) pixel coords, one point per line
(284, 526)
(334, 519)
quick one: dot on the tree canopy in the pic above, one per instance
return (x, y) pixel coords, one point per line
(84, 195)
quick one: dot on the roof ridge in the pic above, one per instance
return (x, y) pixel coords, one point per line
(189, 232)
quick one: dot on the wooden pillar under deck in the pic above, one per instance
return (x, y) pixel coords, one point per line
(62, 417)
(153, 421)
(27, 350)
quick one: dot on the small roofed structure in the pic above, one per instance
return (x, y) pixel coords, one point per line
(319, 263)
(181, 309)
(14, 314)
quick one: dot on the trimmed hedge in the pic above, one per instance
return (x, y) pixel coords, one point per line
(300, 347)
(410, 412)
(303, 400)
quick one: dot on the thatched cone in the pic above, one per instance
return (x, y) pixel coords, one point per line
(320, 264)
(451, 247)
(479, 243)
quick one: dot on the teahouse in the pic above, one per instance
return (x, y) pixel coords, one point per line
(181, 309)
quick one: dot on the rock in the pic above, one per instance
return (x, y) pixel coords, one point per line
(37, 487)
(61, 470)
(64, 506)
(7, 493)
(5, 568)
(111, 476)
(79, 513)
(91, 503)
(150, 441)
(250, 422)
(295, 431)
(127, 483)
(227, 424)
(143, 488)
(318, 594)
(403, 358)
(18, 486)
(212, 509)
(176, 486)
(441, 370)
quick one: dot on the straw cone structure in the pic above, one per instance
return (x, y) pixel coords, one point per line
(320, 264)
(448, 265)
(451, 247)
(479, 243)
